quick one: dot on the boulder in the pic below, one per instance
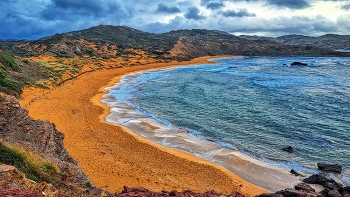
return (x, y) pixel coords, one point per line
(315, 179)
(334, 193)
(330, 193)
(297, 193)
(292, 171)
(18, 193)
(288, 149)
(324, 180)
(270, 195)
(304, 187)
(139, 191)
(329, 167)
(298, 64)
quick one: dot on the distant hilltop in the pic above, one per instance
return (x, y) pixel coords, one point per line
(328, 41)
(174, 45)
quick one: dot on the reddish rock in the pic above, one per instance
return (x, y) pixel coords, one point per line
(334, 193)
(304, 187)
(236, 194)
(297, 193)
(19, 193)
(186, 193)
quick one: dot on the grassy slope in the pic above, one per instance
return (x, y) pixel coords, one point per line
(8, 64)
(34, 167)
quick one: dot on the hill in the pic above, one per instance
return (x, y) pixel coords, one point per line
(16, 72)
(328, 41)
(113, 41)
(52, 60)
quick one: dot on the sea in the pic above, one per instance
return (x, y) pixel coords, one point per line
(246, 106)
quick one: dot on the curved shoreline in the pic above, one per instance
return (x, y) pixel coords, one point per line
(114, 156)
(268, 176)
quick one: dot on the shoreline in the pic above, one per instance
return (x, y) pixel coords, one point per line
(113, 156)
(270, 177)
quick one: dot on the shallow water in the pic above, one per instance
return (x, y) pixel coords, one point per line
(254, 105)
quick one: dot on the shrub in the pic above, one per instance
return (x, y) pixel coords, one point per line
(6, 82)
(9, 63)
(87, 184)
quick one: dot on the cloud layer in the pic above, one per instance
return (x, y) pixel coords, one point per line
(22, 19)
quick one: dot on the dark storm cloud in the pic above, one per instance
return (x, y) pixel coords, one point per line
(15, 22)
(167, 9)
(239, 13)
(214, 5)
(23, 19)
(346, 6)
(193, 13)
(17, 26)
(69, 10)
(292, 4)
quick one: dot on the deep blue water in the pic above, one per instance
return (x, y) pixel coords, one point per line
(256, 105)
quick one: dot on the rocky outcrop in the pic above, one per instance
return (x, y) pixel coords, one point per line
(42, 138)
(325, 180)
(332, 188)
(39, 136)
(19, 193)
(12, 181)
(329, 167)
(11, 178)
(304, 187)
(142, 192)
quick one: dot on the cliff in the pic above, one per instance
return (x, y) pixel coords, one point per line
(40, 138)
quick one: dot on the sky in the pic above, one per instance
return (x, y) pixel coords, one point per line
(34, 19)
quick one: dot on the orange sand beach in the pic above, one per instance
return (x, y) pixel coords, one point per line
(112, 155)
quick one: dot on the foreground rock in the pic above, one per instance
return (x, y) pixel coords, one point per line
(12, 179)
(332, 188)
(19, 193)
(329, 167)
(304, 187)
(142, 192)
(325, 180)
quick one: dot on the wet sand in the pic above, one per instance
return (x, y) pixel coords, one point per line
(114, 156)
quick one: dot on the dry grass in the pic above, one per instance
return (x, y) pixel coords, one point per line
(33, 166)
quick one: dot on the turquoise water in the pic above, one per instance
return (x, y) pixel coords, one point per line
(254, 105)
